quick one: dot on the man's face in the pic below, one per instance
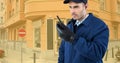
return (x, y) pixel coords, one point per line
(78, 10)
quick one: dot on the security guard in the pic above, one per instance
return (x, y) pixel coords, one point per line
(85, 38)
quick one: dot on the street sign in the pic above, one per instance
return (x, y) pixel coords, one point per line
(21, 32)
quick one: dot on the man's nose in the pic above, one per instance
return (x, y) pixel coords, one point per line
(72, 10)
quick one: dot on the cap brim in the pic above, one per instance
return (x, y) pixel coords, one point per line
(77, 1)
(65, 2)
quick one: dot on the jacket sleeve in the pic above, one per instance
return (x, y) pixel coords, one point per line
(96, 48)
(61, 53)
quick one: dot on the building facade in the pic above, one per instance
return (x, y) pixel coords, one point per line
(38, 19)
(2, 19)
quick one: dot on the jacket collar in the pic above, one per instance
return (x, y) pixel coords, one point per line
(88, 19)
(86, 23)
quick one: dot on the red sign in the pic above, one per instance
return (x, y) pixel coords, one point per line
(21, 32)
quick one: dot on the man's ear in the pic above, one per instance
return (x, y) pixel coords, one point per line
(86, 5)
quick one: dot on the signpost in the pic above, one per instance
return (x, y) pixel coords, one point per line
(21, 34)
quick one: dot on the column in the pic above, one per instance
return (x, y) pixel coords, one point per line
(29, 33)
(43, 35)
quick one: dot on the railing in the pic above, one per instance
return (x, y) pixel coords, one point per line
(113, 48)
(19, 51)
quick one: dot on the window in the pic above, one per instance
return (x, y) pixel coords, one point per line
(37, 32)
(17, 6)
(115, 30)
(96, 0)
(2, 7)
(12, 13)
(17, 1)
(102, 4)
(9, 14)
(10, 1)
(118, 5)
(1, 20)
(37, 37)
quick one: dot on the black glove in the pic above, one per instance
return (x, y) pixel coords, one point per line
(64, 32)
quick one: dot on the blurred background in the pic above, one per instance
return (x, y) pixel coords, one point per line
(28, 29)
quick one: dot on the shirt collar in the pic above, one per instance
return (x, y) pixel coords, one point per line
(79, 22)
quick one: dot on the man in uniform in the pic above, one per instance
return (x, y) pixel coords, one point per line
(85, 39)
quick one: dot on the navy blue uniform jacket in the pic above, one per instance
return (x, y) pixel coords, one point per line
(90, 43)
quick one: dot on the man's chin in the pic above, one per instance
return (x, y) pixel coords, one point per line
(75, 18)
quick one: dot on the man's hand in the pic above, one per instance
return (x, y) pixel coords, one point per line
(64, 32)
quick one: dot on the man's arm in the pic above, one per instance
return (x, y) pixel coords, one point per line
(95, 49)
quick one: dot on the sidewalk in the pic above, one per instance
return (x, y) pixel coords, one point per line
(111, 60)
(36, 56)
(16, 57)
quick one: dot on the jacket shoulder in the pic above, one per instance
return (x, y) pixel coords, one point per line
(98, 21)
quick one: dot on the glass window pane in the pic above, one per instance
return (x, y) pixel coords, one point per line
(102, 4)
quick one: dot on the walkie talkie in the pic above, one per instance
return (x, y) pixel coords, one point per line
(59, 19)
(64, 32)
(60, 24)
